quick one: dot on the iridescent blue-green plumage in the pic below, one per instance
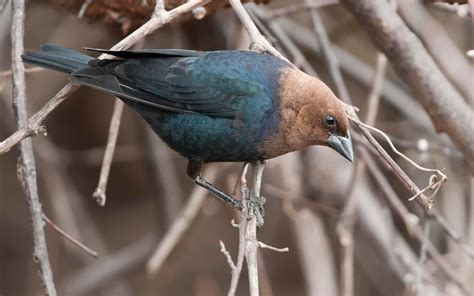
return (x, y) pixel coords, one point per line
(210, 106)
(233, 107)
(214, 106)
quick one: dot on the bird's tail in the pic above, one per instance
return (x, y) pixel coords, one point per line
(57, 58)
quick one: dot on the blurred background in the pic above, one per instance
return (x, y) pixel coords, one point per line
(306, 191)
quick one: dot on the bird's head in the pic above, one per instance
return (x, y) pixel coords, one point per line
(310, 114)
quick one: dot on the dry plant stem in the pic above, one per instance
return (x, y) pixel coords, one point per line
(259, 43)
(446, 107)
(70, 238)
(26, 163)
(236, 268)
(99, 193)
(329, 55)
(33, 127)
(179, 226)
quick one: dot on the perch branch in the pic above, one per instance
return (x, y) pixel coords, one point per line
(34, 125)
(26, 163)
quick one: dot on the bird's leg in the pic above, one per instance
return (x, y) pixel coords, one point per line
(194, 172)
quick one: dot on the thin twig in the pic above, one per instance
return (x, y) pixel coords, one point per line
(26, 163)
(34, 125)
(70, 238)
(297, 7)
(99, 193)
(227, 256)
(278, 250)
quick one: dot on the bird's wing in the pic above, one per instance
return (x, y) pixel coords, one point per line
(175, 80)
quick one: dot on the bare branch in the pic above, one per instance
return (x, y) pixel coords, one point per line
(70, 238)
(99, 193)
(278, 250)
(26, 163)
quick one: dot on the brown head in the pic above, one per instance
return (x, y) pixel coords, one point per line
(310, 114)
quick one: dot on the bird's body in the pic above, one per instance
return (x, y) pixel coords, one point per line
(235, 106)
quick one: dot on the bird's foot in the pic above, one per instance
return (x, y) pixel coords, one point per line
(255, 209)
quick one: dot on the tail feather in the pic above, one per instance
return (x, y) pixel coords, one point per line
(57, 58)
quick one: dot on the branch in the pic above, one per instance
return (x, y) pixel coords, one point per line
(26, 163)
(99, 194)
(70, 238)
(34, 125)
(446, 107)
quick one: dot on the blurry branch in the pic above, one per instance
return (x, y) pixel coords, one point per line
(451, 1)
(331, 59)
(446, 107)
(26, 164)
(99, 193)
(443, 50)
(298, 7)
(34, 124)
(69, 238)
(108, 268)
(179, 226)
(345, 225)
(259, 43)
(421, 261)
(164, 169)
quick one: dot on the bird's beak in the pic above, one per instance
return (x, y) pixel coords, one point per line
(342, 145)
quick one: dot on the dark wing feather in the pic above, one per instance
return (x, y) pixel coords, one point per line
(148, 53)
(175, 80)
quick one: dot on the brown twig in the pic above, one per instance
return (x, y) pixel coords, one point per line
(70, 238)
(26, 163)
(34, 125)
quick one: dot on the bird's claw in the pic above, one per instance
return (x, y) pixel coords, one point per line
(255, 208)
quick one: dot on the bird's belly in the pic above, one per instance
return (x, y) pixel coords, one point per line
(210, 139)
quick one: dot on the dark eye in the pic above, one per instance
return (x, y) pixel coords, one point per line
(329, 121)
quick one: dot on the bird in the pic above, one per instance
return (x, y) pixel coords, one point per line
(213, 106)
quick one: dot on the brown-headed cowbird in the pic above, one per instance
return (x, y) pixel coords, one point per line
(215, 106)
